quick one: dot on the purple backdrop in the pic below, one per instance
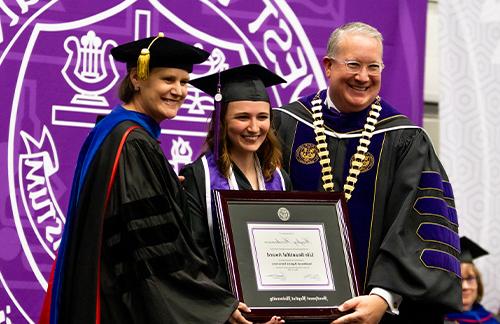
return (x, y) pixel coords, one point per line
(57, 75)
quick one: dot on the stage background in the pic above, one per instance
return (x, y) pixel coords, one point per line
(469, 38)
(56, 76)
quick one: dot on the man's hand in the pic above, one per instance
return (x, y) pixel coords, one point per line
(367, 309)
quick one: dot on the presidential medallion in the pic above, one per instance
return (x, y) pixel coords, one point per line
(307, 153)
(367, 162)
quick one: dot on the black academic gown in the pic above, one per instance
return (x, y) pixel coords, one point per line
(402, 211)
(194, 185)
(150, 268)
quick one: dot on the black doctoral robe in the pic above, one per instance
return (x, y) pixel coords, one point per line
(402, 211)
(195, 187)
(150, 269)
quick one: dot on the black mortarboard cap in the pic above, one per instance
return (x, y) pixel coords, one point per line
(245, 82)
(159, 51)
(470, 250)
(242, 83)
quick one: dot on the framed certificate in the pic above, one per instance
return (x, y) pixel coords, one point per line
(287, 253)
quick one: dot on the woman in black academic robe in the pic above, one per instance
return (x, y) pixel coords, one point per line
(242, 152)
(126, 255)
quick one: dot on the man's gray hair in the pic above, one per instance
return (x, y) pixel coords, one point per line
(351, 28)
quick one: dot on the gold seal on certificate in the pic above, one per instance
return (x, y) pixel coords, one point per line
(292, 256)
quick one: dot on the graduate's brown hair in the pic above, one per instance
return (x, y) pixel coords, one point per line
(269, 152)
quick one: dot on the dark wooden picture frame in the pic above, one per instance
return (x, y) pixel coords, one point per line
(322, 218)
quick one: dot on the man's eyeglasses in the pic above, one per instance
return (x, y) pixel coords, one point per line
(352, 66)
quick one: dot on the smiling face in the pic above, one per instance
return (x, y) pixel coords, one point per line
(161, 95)
(247, 124)
(352, 92)
(469, 285)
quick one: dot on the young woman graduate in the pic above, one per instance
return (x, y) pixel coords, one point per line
(242, 152)
(472, 288)
(126, 255)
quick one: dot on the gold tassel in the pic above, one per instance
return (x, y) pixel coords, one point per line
(143, 65)
(143, 60)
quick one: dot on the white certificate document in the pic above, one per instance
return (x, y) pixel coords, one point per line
(290, 257)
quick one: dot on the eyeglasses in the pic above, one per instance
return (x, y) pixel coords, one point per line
(470, 280)
(352, 66)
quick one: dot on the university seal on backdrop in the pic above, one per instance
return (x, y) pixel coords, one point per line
(307, 153)
(62, 77)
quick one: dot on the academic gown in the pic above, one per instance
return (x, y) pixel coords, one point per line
(402, 211)
(477, 315)
(195, 187)
(136, 256)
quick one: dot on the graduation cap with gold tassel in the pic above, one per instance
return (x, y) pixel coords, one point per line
(158, 51)
(143, 60)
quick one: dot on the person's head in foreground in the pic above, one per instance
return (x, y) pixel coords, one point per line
(472, 285)
(241, 123)
(158, 74)
(353, 65)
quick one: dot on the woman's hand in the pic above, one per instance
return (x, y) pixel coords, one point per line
(275, 320)
(237, 316)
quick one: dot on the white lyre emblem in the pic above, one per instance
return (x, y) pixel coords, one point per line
(89, 67)
(283, 214)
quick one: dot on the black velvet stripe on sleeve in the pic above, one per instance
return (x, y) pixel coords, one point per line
(149, 222)
(147, 232)
(146, 207)
(133, 241)
(131, 263)
(129, 274)
(141, 241)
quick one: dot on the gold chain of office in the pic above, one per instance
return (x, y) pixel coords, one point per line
(358, 157)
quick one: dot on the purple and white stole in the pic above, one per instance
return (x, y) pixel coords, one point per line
(214, 179)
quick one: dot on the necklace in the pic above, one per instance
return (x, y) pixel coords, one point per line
(358, 157)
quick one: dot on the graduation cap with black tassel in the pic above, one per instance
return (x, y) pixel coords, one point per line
(243, 83)
(217, 110)
(470, 250)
